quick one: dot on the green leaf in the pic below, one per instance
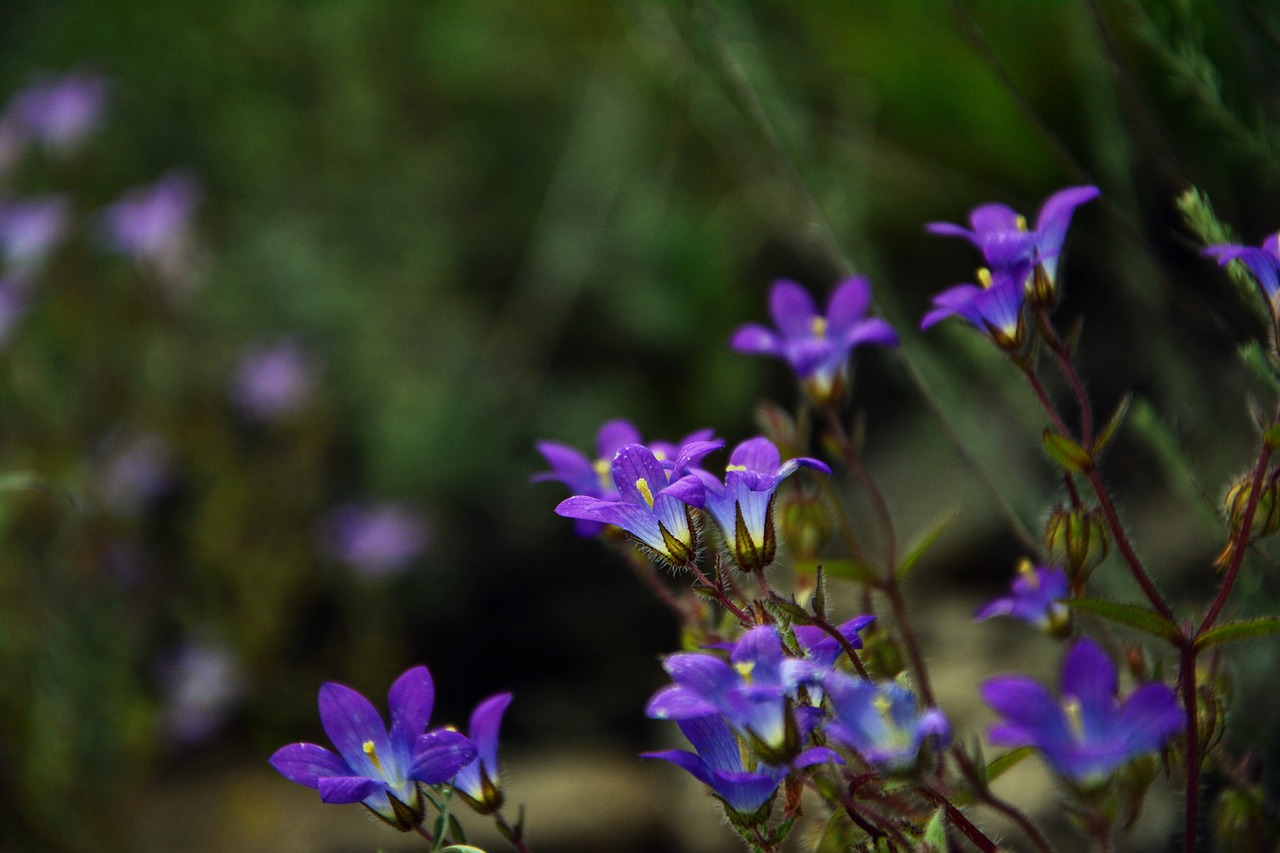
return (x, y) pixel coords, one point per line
(923, 544)
(820, 594)
(850, 570)
(1133, 615)
(1010, 759)
(1069, 455)
(777, 605)
(1108, 432)
(935, 834)
(1243, 630)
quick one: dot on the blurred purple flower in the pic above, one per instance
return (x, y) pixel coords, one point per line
(136, 471)
(1262, 261)
(150, 223)
(273, 380)
(202, 682)
(30, 229)
(881, 721)
(1087, 733)
(995, 308)
(1036, 598)
(375, 540)
(61, 111)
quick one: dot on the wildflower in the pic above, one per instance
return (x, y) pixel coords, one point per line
(817, 345)
(60, 112)
(882, 722)
(273, 381)
(479, 781)
(149, 224)
(744, 786)
(653, 503)
(742, 505)
(1001, 234)
(1088, 732)
(594, 477)
(30, 229)
(376, 539)
(1262, 261)
(752, 691)
(1036, 598)
(202, 682)
(137, 471)
(994, 309)
(824, 649)
(375, 766)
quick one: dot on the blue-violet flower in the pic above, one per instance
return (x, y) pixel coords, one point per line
(881, 722)
(1263, 261)
(479, 782)
(1036, 597)
(995, 308)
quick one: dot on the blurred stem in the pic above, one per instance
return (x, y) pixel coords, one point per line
(644, 570)
(1069, 371)
(983, 792)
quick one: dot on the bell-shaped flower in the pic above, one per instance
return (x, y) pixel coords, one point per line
(1036, 598)
(1262, 261)
(149, 223)
(594, 476)
(742, 506)
(995, 308)
(1087, 732)
(61, 111)
(30, 229)
(817, 345)
(745, 787)
(374, 765)
(754, 691)
(881, 722)
(653, 503)
(480, 782)
(1001, 234)
(822, 648)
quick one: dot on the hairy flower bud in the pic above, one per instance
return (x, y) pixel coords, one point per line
(1042, 290)
(1266, 518)
(1077, 538)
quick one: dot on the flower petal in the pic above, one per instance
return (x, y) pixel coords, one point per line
(792, 309)
(307, 763)
(340, 790)
(350, 722)
(410, 699)
(439, 755)
(613, 435)
(757, 454)
(633, 463)
(1089, 676)
(848, 305)
(756, 339)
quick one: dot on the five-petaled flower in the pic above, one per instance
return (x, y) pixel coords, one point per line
(594, 477)
(744, 785)
(1035, 597)
(742, 505)
(1087, 733)
(817, 345)
(1263, 262)
(994, 309)
(881, 722)
(1001, 234)
(381, 768)
(479, 782)
(654, 503)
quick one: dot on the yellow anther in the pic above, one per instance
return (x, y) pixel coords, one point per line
(642, 486)
(745, 669)
(1075, 716)
(984, 277)
(604, 470)
(882, 705)
(729, 468)
(1021, 222)
(1028, 572)
(819, 327)
(660, 455)
(372, 751)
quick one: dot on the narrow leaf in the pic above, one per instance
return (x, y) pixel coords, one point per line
(850, 570)
(1010, 759)
(820, 594)
(1242, 630)
(1069, 455)
(1133, 615)
(1108, 432)
(935, 834)
(923, 544)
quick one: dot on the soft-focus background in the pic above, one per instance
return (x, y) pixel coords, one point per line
(290, 290)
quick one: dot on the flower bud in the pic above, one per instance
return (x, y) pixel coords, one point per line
(804, 523)
(1077, 538)
(1266, 518)
(1042, 290)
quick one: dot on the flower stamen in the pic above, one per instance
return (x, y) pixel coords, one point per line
(372, 751)
(642, 486)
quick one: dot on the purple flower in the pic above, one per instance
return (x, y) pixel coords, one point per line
(822, 648)
(375, 766)
(1036, 597)
(202, 683)
(149, 224)
(273, 381)
(30, 229)
(1001, 234)
(994, 309)
(137, 471)
(594, 477)
(479, 781)
(881, 722)
(1088, 733)
(719, 764)
(817, 345)
(742, 505)
(752, 691)
(61, 111)
(1263, 261)
(653, 503)
(377, 539)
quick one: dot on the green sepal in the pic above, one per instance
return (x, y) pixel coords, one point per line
(1133, 615)
(934, 839)
(820, 594)
(777, 606)
(1071, 457)
(850, 570)
(1272, 436)
(921, 546)
(1108, 432)
(1242, 630)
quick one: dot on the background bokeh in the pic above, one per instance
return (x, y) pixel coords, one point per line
(479, 224)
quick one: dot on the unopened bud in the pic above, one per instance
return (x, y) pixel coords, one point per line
(1042, 290)
(1266, 517)
(804, 524)
(1078, 538)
